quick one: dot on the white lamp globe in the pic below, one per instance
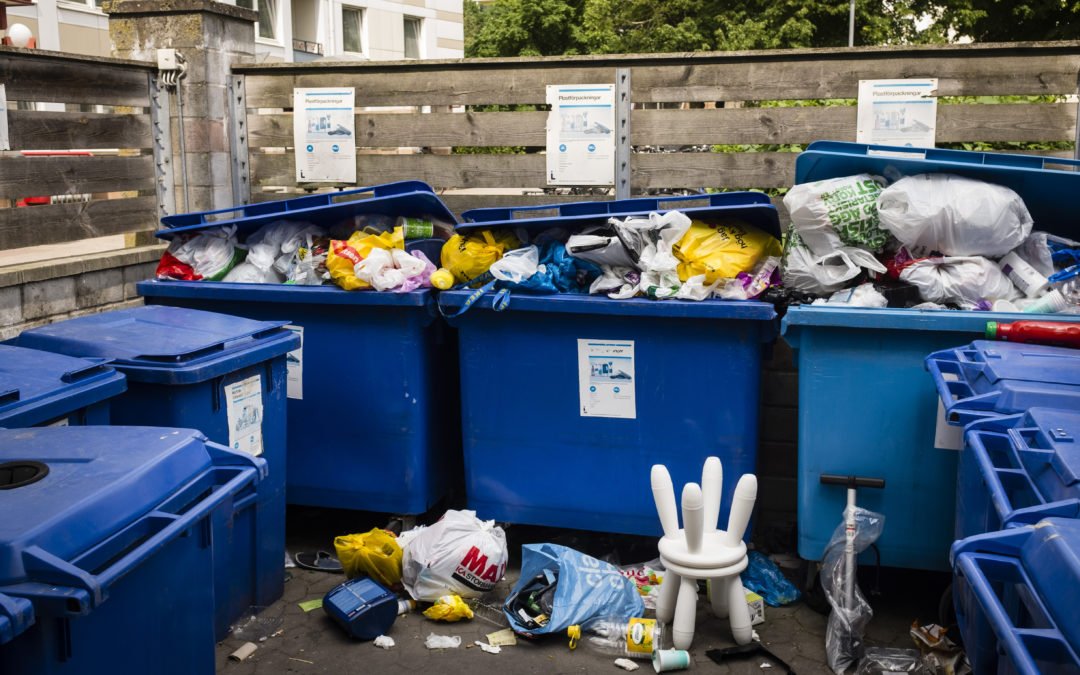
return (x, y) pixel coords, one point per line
(19, 35)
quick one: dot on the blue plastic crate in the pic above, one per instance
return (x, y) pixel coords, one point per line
(222, 375)
(754, 208)
(866, 405)
(534, 456)
(1016, 594)
(991, 379)
(107, 533)
(38, 388)
(1018, 470)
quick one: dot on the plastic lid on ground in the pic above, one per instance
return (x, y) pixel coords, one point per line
(995, 378)
(37, 387)
(169, 345)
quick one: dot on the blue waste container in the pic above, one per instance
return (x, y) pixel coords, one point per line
(1016, 594)
(16, 615)
(990, 379)
(568, 400)
(224, 376)
(372, 390)
(42, 389)
(107, 534)
(1019, 469)
(866, 405)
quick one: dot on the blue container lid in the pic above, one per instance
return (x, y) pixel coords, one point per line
(37, 387)
(281, 294)
(166, 345)
(862, 318)
(16, 615)
(1049, 553)
(754, 208)
(999, 378)
(1046, 184)
(405, 198)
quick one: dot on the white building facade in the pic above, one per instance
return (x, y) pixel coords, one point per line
(288, 30)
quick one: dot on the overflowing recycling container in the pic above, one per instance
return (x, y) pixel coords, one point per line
(106, 558)
(222, 375)
(866, 405)
(372, 385)
(567, 400)
(1016, 592)
(42, 389)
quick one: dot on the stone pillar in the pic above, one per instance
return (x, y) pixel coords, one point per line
(211, 36)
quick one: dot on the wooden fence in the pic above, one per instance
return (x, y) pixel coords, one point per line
(697, 99)
(81, 140)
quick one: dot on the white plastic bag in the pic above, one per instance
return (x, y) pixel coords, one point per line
(517, 265)
(962, 281)
(837, 212)
(459, 554)
(863, 295)
(394, 269)
(954, 215)
(658, 265)
(694, 288)
(211, 254)
(821, 275)
(1036, 252)
(247, 273)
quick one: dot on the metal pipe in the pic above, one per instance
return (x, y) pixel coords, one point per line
(851, 25)
(183, 146)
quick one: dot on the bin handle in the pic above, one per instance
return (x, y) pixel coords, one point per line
(44, 566)
(952, 392)
(992, 473)
(9, 396)
(98, 367)
(1007, 633)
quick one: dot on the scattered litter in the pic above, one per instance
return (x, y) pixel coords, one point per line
(459, 554)
(256, 628)
(384, 642)
(754, 636)
(489, 649)
(244, 652)
(376, 554)
(434, 641)
(293, 658)
(764, 664)
(502, 638)
(763, 577)
(626, 664)
(664, 660)
(319, 561)
(309, 605)
(363, 607)
(449, 608)
(289, 563)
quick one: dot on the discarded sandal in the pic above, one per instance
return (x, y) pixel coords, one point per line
(320, 561)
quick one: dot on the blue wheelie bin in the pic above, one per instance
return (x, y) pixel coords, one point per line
(372, 390)
(1016, 594)
(16, 615)
(224, 376)
(866, 405)
(107, 534)
(568, 400)
(42, 389)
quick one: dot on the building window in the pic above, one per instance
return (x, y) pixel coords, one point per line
(412, 37)
(96, 4)
(266, 26)
(351, 22)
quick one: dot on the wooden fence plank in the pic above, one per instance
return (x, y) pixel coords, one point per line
(31, 176)
(29, 78)
(966, 122)
(390, 130)
(712, 170)
(59, 223)
(40, 130)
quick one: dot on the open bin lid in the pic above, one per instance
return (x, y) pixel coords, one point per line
(1001, 378)
(409, 198)
(1046, 184)
(754, 208)
(1049, 553)
(36, 387)
(166, 345)
(282, 294)
(16, 615)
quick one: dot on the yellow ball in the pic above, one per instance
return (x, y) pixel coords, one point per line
(442, 279)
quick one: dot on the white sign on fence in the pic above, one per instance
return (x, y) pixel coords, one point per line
(581, 134)
(4, 142)
(324, 135)
(898, 112)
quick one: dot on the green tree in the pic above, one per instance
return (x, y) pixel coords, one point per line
(523, 28)
(1008, 20)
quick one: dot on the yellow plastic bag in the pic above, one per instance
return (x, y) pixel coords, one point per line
(375, 554)
(344, 255)
(722, 250)
(469, 256)
(449, 608)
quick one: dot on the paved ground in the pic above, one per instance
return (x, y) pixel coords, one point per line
(311, 643)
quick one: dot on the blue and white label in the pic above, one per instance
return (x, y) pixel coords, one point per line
(244, 410)
(294, 366)
(606, 379)
(581, 134)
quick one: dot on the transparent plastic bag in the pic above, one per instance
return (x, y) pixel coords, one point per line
(878, 660)
(821, 275)
(850, 610)
(517, 265)
(962, 281)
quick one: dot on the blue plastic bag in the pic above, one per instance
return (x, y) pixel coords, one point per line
(558, 273)
(763, 577)
(586, 588)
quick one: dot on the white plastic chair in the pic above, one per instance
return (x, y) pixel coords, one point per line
(700, 551)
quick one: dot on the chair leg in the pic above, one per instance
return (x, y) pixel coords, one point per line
(718, 596)
(738, 612)
(682, 630)
(669, 591)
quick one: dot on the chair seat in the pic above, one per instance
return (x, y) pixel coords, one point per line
(705, 573)
(714, 553)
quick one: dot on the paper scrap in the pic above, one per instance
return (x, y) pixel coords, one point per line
(502, 638)
(309, 605)
(485, 647)
(384, 642)
(626, 664)
(434, 641)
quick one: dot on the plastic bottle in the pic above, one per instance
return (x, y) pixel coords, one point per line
(635, 637)
(1063, 296)
(405, 606)
(1055, 333)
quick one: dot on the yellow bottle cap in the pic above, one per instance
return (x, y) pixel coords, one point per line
(442, 279)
